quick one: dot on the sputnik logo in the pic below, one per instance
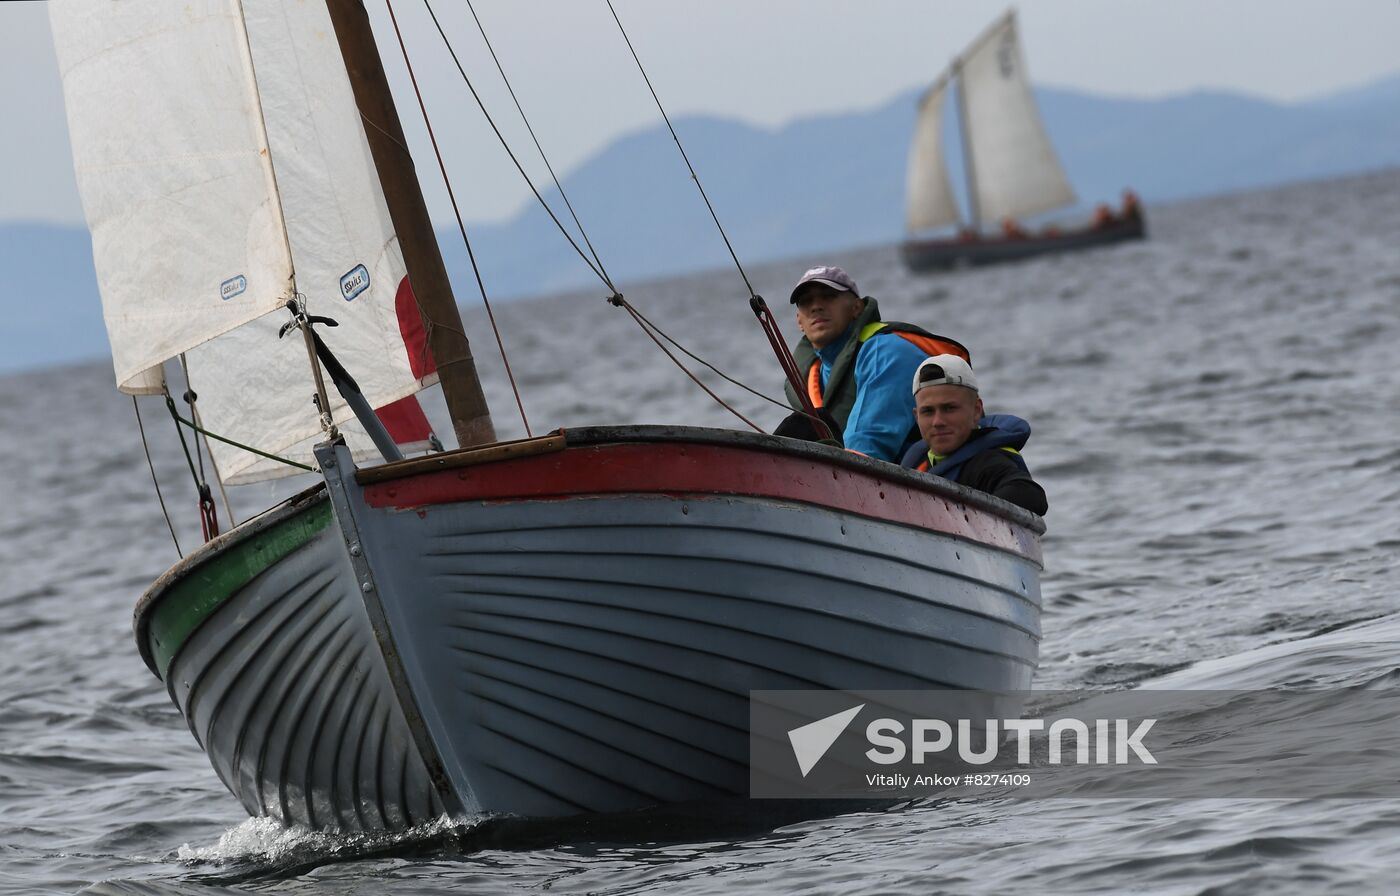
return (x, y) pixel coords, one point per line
(811, 741)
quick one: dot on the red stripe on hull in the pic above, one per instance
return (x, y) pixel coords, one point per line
(693, 470)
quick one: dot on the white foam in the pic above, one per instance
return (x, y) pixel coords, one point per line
(266, 840)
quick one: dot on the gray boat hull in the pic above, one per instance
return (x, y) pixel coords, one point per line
(547, 639)
(283, 683)
(922, 255)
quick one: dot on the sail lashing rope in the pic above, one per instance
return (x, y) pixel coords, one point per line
(181, 421)
(594, 263)
(194, 416)
(208, 515)
(209, 521)
(155, 480)
(208, 512)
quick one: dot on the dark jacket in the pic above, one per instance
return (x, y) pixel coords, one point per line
(989, 461)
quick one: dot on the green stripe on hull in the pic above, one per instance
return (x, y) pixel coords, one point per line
(195, 597)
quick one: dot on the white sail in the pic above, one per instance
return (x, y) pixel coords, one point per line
(224, 168)
(1014, 169)
(929, 192)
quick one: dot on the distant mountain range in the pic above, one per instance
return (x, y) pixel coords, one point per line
(838, 181)
(48, 297)
(823, 183)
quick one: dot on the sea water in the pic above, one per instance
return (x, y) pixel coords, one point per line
(1215, 416)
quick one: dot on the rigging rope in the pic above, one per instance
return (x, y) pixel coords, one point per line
(501, 137)
(693, 176)
(170, 404)
(647, 323)
(206, 499)
(471, 256)
(598, 269)
(145, 446)
(760, 307)
(550, 168)
(595, 264)
(622, 303)
(191, 397)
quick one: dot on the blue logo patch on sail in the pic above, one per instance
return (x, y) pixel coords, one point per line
(354, 283)
(233, 286)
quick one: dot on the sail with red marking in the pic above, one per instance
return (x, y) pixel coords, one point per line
(224, 170)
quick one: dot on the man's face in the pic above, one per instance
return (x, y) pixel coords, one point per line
(823, 313)
(947, 415)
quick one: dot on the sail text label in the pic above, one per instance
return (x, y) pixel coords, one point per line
(233, 286)
(354, 282)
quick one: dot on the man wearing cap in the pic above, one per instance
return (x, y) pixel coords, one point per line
(856, 366)
(961, 444)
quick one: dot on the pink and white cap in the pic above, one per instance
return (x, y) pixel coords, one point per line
(829, 275)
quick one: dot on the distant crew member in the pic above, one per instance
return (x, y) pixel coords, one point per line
(1132, 209)
(857, 367)
(960, 444)
(1012, 230)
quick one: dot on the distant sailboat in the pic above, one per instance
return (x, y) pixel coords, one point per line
(1011, 166)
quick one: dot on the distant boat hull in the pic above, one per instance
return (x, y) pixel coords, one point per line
(574, 629)
(944, 254)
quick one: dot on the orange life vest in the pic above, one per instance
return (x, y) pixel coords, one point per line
(930, 344)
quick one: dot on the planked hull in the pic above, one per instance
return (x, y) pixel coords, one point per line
(266, 649)
(578, 630)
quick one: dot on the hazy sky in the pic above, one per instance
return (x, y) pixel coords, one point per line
(764, 61)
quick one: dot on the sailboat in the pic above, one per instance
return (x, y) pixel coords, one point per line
(1010, 164)
(556, 625)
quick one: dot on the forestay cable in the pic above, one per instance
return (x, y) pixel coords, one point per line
(596, 264)
(756, 303)
(550, 168)
(693, 176)
(501, 137)
(461, 227)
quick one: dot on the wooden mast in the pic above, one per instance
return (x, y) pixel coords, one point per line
(447, 340)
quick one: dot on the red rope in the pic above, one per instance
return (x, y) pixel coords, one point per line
(788, 363)
(460, 226)
(208, 513)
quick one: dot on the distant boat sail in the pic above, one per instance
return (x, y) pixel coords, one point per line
(1011, 165)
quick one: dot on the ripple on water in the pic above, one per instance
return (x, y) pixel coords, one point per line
(1196, 518)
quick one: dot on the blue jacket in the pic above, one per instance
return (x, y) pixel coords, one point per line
(882, 419)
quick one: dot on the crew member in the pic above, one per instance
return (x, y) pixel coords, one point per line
(963, 445)
(857, 367)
